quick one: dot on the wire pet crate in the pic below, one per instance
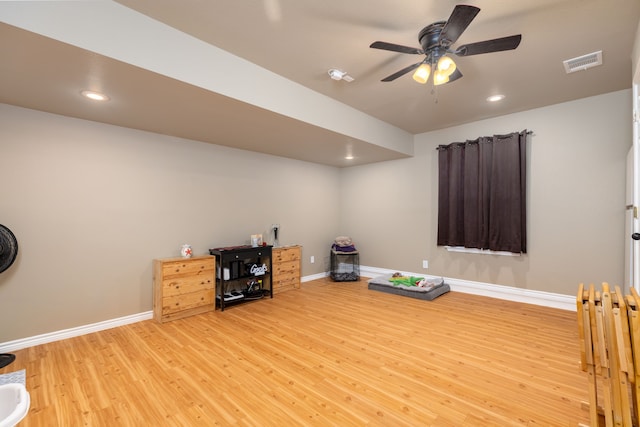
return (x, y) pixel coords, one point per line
(345, 266)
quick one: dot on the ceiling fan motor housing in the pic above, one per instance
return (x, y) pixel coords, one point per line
(429, 36)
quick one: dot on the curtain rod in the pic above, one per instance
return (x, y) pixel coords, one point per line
(529, 132)
(444, 147)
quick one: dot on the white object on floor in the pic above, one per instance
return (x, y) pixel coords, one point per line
(14, 404)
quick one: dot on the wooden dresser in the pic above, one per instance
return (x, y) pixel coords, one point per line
(286, 268)
(183, 287)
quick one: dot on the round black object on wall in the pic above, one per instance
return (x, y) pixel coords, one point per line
(8, 248)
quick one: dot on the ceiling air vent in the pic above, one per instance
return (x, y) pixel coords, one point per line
(583, 62)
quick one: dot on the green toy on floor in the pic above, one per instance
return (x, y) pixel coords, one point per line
(399, 279)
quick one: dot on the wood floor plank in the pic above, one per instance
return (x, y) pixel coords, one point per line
(326, 354)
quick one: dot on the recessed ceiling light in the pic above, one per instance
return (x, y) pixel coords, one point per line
(96, 96)
(495, 98)
(348, 157)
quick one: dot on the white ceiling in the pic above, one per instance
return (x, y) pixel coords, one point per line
(288, 106)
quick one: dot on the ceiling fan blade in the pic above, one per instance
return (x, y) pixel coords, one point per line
(396, 48)
(455, 76)
(488, 46)
(459, 20)
(401, 72)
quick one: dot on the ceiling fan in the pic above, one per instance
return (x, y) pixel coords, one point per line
(436, 40)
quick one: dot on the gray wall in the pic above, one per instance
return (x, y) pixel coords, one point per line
(91, 205)
(575, 203)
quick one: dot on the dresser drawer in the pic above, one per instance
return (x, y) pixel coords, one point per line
(286, 283)
(286, 267)
(286, 254)
(287, 276)
(186, 284)
(188, 267)
(187, 301)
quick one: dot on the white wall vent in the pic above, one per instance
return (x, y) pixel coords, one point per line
(583, 62)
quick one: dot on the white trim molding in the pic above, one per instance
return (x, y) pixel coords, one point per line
(19, 344)
(314, 277)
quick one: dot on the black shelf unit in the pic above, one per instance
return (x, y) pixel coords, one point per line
(243, 274)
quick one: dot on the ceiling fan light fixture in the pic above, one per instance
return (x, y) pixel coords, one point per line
(436, 41)
(440, 78)
(446, 65)
(421, 74)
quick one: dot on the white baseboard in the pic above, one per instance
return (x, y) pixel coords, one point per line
(546, 299)
(314, 277)
(10, 346)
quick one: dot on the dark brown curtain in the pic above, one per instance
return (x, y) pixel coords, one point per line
(482, 193)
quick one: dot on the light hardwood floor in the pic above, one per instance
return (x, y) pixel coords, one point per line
(329, 354)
